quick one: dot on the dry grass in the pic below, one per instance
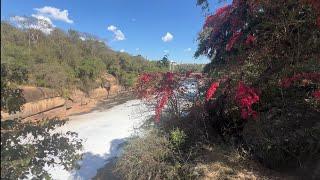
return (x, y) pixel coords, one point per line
(219, 162)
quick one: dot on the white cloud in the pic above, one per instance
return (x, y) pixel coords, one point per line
(112, 28)
(39, 22)
(43, 18)
(188, 49)
(54, 13)
(166, 51)
(118, 34)
(82, 38)
(168, 37)
(137, 49)
(122, 50)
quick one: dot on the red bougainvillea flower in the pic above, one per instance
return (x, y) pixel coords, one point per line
(188, 73)
(246, 97)
(164, 98)
(212, 90)
(316, 94)
(220, 13)
(222, 10)
(170, 76)
(216, 19)
(144, 78)
(233, 40)
(164, 92)
(287, 82)
(250, 39)
(198, 76)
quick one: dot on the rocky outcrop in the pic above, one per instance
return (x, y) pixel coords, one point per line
(47, 103)
(33, 94)
(40, 106)
(38, 100)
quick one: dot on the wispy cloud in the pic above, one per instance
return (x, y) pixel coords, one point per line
(54, 13)
(38, 22)
(133, 19)
(137, 49)
(167, 37)
(122, 50)
(166, 51)
(42, 19)
(118, 34)
(187, 50)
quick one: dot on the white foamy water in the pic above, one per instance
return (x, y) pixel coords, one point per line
(102, 132)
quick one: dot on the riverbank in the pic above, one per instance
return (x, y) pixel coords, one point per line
(100, 104)
(43, 103)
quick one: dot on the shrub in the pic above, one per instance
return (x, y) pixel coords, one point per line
(177, 138)
(152, 157)
(265, 54)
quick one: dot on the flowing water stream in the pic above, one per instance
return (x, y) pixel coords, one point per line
(103, 133)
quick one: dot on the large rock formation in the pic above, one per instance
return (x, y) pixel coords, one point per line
(47, 103)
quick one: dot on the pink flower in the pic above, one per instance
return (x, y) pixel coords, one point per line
(250, 39)
(233, 40)
(287, 82)
(169, 76)
(188, 73)
(246, 97)
(211, 91)
(316, 94)
(162, 102)
(218, 16)
(144, 78)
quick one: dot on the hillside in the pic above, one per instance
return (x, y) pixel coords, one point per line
(67, 60)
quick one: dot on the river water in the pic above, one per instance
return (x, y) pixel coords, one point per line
(103, 132)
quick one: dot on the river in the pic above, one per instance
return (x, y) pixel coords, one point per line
(103, 132)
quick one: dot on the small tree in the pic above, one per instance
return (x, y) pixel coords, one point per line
(27, 147)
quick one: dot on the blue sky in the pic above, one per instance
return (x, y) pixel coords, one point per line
(147, 27)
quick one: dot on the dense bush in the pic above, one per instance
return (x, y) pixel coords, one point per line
(265, 58)
(155, 156)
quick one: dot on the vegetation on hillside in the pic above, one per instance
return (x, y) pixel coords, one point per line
(68, 59)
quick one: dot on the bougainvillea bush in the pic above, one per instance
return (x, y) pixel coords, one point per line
(265, 62)
(170, 91)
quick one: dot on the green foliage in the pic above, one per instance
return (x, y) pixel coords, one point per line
(62, 60)
(89, 68)
(153, 157)
(11, 97)
(27, 147)
(183, 68)
(165, 62)
(177, 138)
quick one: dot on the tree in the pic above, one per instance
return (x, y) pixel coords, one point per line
(27, 147)
(66, 54)
(164, 62)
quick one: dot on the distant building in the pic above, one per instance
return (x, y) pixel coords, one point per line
(171, 65)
